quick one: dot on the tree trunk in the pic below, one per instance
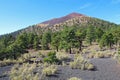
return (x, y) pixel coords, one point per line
(14, 55)
(70, 51)
(80, 45)
(57, 49)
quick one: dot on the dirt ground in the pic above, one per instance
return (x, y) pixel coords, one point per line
(106, 69)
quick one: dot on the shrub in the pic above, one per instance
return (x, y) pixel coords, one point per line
(80, 63)
(74, 78)
(50, 70)
(91, 55)
(117, 56)
(89, 66)
(98, 55)
(84, 51)
(77, 63)
(24, 72)
(40, 55)
(6, 62)
(62, 56)
(51, 58)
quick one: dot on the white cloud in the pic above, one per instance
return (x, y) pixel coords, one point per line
(85, 6)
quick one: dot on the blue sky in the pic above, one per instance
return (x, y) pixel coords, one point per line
(18, 14)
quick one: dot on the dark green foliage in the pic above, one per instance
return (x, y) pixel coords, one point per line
(28, 40)
(31, 37)
(4, 54)
(13, 48)
(6, 41)
(13, 51)
(56, 40)
(90, 34)
(51, 58)
(22, 40)
(68, 38)
(116, 35)
(46, 40)
(98, 33)
(80, 36)
(36, 43)
(107, 40)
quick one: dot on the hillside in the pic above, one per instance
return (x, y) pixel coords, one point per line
(72, 19)
(68, 20)
(70, 47)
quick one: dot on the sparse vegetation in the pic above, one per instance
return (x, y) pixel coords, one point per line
(96, 55)
(51, 58)
(80, 63)
(101, 54)
(62, 56)
(24, 72)
(65, 39)
(74, 78)
(49, 70)
(6, 62)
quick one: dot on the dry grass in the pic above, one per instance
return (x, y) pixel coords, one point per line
(62, 56)
(74, 78)
(24, 58)
(24, 72)
(101, 54)
(96, 55)
(89, 66)
(81, 63)
(6, 62)
(50, 70)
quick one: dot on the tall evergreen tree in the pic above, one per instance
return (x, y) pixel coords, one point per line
(56, 40)
(98, 33)
(46, 40)
(107, 40)
(90, 34)
(68, 38)
(80, 35)
(36, 42)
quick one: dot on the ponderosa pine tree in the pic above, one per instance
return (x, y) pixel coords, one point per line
(68, 38)
(56, 40)
(90, 34)
(98, 33)
(46, 40)
(80, 35)
(22, 40)
(116, 35)
(36, 42)
(107, 40)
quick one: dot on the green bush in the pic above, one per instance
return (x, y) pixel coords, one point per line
(51, 58)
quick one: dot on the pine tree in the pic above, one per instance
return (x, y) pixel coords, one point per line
(80, 35)
(107, 40)
(36, 42)
(90, 35)
(46, 40)
(56, 40)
